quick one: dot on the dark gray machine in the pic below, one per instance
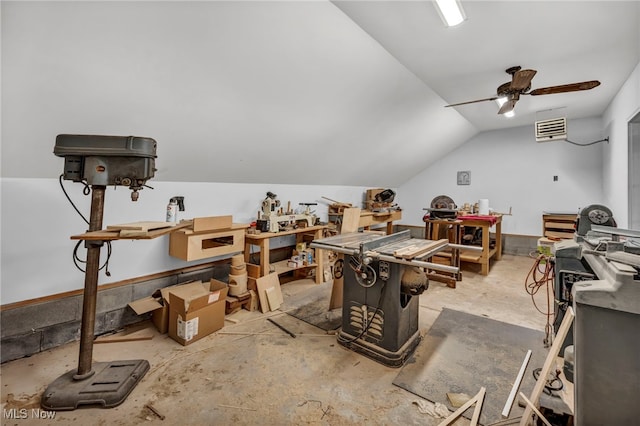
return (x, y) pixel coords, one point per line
(606, 324)
(380, 303)
(99, 161)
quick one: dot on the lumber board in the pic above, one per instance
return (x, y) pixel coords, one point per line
(264, 283)
(143, 334)
(516, 385)
(548, 364)
(145, 226)
(460, 411)
(350, 220)
(478, 409)
(417, 250)
(202, 224)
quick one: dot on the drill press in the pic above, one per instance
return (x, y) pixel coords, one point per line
(99, 161)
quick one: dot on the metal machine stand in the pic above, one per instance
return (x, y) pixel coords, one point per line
(102, 383)
(380, 303)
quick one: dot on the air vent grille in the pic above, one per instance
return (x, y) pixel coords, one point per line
(551, 130)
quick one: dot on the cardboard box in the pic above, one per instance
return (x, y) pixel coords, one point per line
(195, 311)
(158, 305)
(188, 245)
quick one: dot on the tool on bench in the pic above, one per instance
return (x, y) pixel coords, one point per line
(272, 216)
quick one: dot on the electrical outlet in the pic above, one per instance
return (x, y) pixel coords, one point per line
(555, 178)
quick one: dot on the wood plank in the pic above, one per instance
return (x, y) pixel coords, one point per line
(141, 226)
(127, 336)
(350, 220)
(548, 364)
(478, 409)
(201, 224)
(535, 410)
(264, 283)
(460, 411)
(415, 251)
(560, 225)
(556, 234)
(516, 385)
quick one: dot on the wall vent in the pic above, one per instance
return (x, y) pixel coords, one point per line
(551, 130)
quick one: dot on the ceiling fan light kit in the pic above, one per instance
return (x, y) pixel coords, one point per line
(520, 84)
(450, 12)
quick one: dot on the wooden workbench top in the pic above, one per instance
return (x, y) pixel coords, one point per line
(264, 235)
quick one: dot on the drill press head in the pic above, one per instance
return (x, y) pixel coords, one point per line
(108, 160)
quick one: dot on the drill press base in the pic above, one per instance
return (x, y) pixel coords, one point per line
(108, 387)
(390, 359)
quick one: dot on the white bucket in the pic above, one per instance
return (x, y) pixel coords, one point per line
(483, 206)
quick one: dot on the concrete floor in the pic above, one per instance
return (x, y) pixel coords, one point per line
(253, 373)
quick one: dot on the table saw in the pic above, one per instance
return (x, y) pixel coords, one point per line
(383, 275)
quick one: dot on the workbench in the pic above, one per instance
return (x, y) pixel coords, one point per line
(262, 241)
(485, 223)
(369, 219)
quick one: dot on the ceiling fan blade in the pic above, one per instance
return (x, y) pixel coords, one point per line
(522, 79)
(573, 87)
(507, 106)
(472, 102)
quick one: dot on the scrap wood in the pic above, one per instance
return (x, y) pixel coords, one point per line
(516, 386)
(548, 364)
(127, 336)
(505, 422)
(535, 410)
(281, 327)
(155, 411)
(478, 399)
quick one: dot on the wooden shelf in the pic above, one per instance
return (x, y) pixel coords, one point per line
(281, 267)
(556, 225)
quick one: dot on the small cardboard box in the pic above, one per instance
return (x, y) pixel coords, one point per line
(196, 311)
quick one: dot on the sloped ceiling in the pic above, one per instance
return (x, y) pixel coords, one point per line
(345, 93)
(565, 41)
(269, 92)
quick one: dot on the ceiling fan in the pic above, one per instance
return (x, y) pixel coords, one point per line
(520, 84)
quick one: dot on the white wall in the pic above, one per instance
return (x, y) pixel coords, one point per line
(511, 169)
(616, 118)
(37, 222)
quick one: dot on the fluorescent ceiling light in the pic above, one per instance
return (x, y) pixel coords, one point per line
(450, 11)
(500, 101)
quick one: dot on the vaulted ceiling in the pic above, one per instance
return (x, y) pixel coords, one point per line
(309, 92)
(565, 41)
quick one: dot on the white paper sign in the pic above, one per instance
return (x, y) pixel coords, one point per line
(187, 329)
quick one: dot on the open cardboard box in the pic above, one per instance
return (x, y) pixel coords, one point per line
(196, 311)
(158, 304)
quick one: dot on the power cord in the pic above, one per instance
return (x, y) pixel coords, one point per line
(549, 385)
(365, 329)
(587, 144)
(76, 259)
(540, 275)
